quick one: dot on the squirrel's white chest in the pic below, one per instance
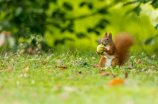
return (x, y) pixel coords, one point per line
(108, 58)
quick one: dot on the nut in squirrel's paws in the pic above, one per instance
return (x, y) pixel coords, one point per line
(100, 48)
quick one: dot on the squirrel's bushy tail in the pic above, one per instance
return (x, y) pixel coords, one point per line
(123, 41)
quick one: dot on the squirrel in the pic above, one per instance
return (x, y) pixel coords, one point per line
(115, 52)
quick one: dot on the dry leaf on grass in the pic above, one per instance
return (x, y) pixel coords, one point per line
(101, 68)
(26, 69)
(74, 61)
(138, 61)
(69, 89)
(44, 63)
(102, 74)
(64, 96)
(62, 67)
(25, 75)
(150, 71)
(22, 75)
(96, 66)
(55, 88)
(31, 50)
(114, 82)
(58, 62)
(106, 74)
(126, 75)
(8, 70)
(79, 72)
(143, 69)
(140, 70)
(34, 94)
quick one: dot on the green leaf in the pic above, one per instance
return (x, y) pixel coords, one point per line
(54, 1)
(101, 26)
(70, 30)
(135, 1)
(155, 4)
(82, 4)
(96, 32)
(67, 6)
(80, 35)
(103, 11)
(57, 25)
(137, 9)
(104, 21)
(89, 30)
(18, 11)
(63, 30)
(90, 6)
(84, 64)
(149, 41)
(156, 26)
(62, 41)
(101, 0)
(0, 63)
(128, 3)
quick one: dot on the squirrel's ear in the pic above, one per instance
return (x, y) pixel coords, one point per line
(110, 35)
(106, 34)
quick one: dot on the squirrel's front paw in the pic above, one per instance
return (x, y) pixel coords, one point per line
(98, 53)
(104, 49)
(102, 53)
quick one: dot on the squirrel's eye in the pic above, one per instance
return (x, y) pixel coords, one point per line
(107, 39)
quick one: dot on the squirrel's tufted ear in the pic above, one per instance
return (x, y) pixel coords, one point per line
(110, 35)
(106, 34)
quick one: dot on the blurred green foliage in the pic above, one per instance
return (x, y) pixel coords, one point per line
(78, 24)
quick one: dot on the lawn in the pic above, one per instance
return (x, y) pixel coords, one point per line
(71, 77)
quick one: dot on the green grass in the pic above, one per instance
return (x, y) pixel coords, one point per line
(81, 83)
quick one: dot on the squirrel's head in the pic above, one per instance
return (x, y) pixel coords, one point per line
(106, 39)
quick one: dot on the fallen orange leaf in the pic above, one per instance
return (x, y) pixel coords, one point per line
(26, 69)
(61, 67)
(138, 61)
(44, 62)
(8, 70)
(102, 74)
(116, 82)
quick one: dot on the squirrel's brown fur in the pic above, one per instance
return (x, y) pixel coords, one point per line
(119, 48)
(123, 41)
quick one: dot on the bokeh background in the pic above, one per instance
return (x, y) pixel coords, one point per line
(30, 25)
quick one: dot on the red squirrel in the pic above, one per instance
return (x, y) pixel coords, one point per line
(115, 51)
